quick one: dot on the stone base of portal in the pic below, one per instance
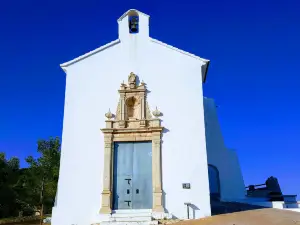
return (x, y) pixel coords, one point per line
(133, 217)
(128, 223)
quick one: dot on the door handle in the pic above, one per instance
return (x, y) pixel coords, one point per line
(127, 202)
(128, 180)
(128, 191)
(137, 191)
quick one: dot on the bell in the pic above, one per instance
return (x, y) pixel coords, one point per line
(134, 25)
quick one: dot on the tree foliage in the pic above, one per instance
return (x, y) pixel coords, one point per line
(21, 188)
(9, 173)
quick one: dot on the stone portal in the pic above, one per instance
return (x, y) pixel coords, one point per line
(132, 138)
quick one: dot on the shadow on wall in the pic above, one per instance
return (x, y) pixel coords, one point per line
(194, 208)
(164, 204)
(164, 200)
(165, 130)
(191, 210)
(138, 81)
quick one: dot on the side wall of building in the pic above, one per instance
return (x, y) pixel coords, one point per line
(231, 180)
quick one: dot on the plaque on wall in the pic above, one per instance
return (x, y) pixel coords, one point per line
(186, 186)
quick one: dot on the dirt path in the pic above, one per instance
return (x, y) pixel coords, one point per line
(251, 217)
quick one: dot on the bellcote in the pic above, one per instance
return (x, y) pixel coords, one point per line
(133, 23)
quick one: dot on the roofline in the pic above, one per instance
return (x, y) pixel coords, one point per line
(101, 48)
(63, 65)
(139, 12)
(204, 61)
(179, 50)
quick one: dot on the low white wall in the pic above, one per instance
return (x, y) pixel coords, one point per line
(295, 210)
(274, 204)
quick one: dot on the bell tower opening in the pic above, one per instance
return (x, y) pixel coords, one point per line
(133, 22)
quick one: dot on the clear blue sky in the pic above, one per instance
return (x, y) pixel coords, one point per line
(254, 75)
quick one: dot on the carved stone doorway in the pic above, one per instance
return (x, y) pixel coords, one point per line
(133, 122)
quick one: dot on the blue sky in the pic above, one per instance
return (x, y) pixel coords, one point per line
(254, 75)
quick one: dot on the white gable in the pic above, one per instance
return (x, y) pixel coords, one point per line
(142, 37)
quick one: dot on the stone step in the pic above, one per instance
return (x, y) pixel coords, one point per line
(124, 215)
(134, 211)
(138, 216)
(130, 219)
(128, 223)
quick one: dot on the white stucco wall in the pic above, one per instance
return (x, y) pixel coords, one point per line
(231, 179)
(175, 87)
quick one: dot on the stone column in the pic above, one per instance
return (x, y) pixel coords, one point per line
(156, 172)
(122, 108)
(143, 108)
(107, 171)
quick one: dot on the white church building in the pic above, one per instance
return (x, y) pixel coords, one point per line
(140, 142)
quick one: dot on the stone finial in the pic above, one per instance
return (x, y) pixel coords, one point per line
(108, 115)
(156, 113)
(123, 85)
(132, 80)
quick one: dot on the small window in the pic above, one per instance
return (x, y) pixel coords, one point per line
(133, 24)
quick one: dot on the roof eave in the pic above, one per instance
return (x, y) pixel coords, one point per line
(66, 64)
(204, 61)
(179, 50)
(205, 72)
(126, 13)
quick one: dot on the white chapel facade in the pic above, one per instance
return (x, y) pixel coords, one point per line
(139, 139)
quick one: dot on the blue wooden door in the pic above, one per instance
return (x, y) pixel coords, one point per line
(142, 176)
(132, 175)
(122, 175)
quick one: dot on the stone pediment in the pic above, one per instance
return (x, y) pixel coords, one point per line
(133, 110)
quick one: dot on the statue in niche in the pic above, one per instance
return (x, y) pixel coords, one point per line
(133, 108)
(132, 104)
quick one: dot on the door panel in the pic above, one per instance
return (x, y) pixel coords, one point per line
(142, 175)
(132, 175)
(122, 175)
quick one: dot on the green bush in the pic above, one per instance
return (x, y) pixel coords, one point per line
(19, 219)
